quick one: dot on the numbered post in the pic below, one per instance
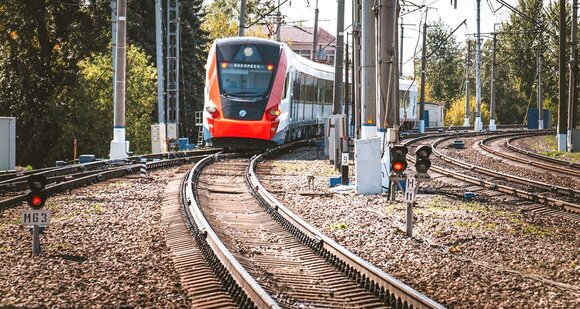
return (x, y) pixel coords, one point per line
(344, 168)
(410, 201)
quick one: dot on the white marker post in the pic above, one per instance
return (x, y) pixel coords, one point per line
(410, 200)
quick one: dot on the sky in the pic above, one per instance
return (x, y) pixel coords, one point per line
(302, 11)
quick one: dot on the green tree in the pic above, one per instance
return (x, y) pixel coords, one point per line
(92, 111)
(520, 39)
(455, 114)
(444, 64)
(223, 17)
(41, 43)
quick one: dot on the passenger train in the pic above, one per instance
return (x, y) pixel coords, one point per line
(259, 93)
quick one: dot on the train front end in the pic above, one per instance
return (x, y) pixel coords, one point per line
(244, 84)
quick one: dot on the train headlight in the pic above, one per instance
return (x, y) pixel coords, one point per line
(213, 111)
(273, 113)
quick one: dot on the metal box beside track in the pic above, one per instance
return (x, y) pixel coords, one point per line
(7, 143)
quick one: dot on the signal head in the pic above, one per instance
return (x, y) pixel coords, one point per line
(422, 161)
(399, 159)
(36, 182)
(36, 199)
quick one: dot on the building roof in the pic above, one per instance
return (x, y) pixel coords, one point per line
(297, 34)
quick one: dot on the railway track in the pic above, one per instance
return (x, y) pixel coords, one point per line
(267, 257)
(543, 202)
(66, 178)
(497, 144)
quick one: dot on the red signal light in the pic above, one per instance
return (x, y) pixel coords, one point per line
(398, 167)
(270, 67)
(36, 201)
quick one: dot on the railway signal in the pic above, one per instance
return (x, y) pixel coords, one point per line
(37, 196)
(422, 161)
(398, 160)
(37, 216)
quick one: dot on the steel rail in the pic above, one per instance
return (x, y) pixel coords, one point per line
(496, 174)
(551, 167)
(391, 290)
(11, 177)
(117, 172)
(539, 156)
(253, 294)
(536, 198)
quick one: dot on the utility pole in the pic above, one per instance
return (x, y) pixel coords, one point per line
(540, 95)
(172, 81)
(492, 126)
(478, 124)
(356, 52)
(159, 52)
(118, 150)
(467, 83)
(346, 77)
(561, 135)
(242, 26)
(278, 23)
(401, 49)
(368, 71)
(114, 40)
(386, 62)
(338, 59)
(314, 55)
(423, 76)
(572, 92)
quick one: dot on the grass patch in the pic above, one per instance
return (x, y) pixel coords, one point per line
(338, 226)
(97, 209)
(531, 229)
(477, 225)
(52, 247)
(15, 221)
(4, 249)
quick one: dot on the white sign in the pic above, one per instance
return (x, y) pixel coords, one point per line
(344, 161)
(410, 192)
(35, 217)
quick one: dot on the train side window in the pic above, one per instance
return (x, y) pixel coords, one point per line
(285, 92)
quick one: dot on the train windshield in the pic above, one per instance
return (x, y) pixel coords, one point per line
(246, 70)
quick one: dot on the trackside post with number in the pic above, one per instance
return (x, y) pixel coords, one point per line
(36, 216)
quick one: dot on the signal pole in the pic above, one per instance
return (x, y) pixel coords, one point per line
(338, 59)
(492, 126)
(118, 150)
(467, 84)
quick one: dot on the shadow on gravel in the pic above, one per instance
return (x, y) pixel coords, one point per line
(70, 257)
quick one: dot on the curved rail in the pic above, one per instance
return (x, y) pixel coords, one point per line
(537, 198)
(551, 167)
(393, 291)
(539, 156)
(229, 270)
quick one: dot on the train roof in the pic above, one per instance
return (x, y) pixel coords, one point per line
(247, 40)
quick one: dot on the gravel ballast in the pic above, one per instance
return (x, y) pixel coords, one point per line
(105, 247)
(480, 254)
